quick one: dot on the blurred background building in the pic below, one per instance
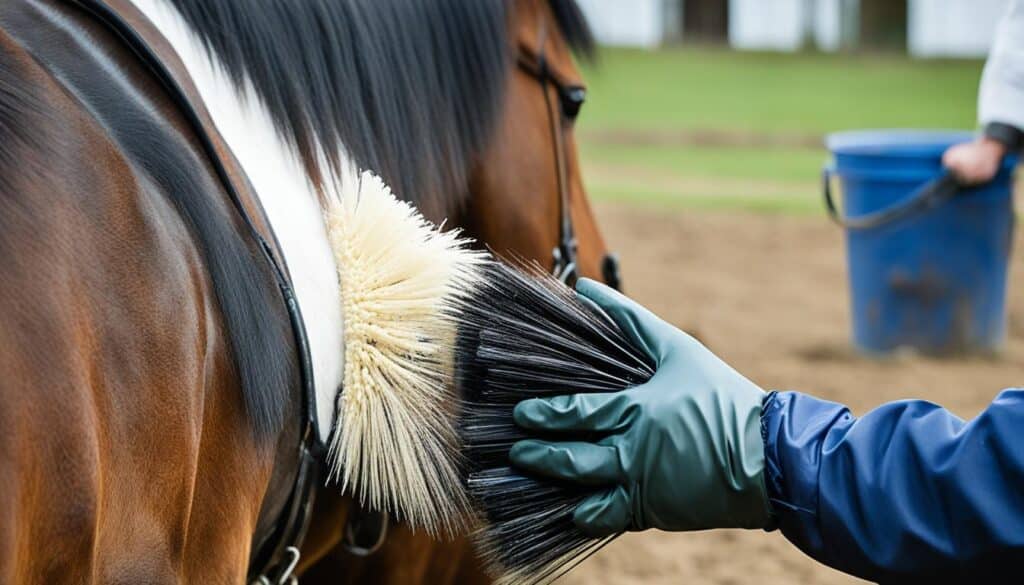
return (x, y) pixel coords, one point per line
(923, 28)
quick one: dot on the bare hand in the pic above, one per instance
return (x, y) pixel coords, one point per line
(975, 162)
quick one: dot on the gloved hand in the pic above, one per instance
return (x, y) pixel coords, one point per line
(680, 452)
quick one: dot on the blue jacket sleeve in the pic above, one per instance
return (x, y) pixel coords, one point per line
(906, 493)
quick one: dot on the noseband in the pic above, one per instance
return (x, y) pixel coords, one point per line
(565, 265)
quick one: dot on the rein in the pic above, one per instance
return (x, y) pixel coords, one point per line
(276, 554)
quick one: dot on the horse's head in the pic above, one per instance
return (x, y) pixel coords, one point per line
(527, 194)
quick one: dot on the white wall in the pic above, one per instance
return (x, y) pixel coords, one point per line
(936, 28)
(827, 25)
(952, 28)
(780, 25)
(766, 24)
(630, 23)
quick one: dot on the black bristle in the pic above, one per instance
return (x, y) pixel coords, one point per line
(523, 335)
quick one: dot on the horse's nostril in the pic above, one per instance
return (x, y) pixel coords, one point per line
(610, 271)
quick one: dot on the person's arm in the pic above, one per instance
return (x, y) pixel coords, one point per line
(1001, 96)
(1000, 105)
(906, 492)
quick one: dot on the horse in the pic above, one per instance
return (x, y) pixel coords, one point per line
(162, 165)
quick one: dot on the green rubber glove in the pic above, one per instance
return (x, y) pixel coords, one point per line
(681, 452)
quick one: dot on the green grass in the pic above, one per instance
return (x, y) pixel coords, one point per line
(774, 164)
(662, 97)
(715, 88)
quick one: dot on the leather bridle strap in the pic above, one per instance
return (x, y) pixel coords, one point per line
(275, 555)
(565, 253)
(570, 95)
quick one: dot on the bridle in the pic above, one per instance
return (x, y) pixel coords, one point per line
(571, 95)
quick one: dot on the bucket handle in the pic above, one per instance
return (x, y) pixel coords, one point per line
(929, 195)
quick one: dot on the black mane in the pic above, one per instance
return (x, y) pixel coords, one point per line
(574, 27)
(411, 88)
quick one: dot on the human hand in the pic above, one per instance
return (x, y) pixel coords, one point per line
(680, 452)
(977, 162)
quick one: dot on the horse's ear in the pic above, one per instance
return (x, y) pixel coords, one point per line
(394, 444)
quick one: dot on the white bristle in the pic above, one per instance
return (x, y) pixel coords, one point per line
(395, 444)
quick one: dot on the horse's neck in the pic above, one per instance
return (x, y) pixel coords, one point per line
(288, 198)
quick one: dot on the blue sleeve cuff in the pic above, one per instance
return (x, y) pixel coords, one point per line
(795, 429)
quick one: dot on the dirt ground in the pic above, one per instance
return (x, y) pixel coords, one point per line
(768, 294)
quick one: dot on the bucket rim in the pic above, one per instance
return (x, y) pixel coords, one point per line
(898, 142)
(907, 176)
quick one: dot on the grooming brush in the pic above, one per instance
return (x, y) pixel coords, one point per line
(526, 335)
(394, 445)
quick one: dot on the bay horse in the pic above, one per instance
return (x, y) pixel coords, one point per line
(162, 168)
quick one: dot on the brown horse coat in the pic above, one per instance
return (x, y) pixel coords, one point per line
(126, 451)
(135, 443)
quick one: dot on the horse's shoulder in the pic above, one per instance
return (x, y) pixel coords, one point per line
(93, 258)
(104, 322)
(82, 235)
(29, 124)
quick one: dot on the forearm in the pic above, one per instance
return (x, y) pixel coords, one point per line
(905, 492)
(1001, 96)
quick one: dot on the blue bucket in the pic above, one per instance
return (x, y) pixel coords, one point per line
(927, 258)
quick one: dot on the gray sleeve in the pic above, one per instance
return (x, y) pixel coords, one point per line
(1001, 97)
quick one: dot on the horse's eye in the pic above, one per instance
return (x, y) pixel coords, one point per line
(572, 98)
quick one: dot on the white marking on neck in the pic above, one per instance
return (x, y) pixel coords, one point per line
(286, 193)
